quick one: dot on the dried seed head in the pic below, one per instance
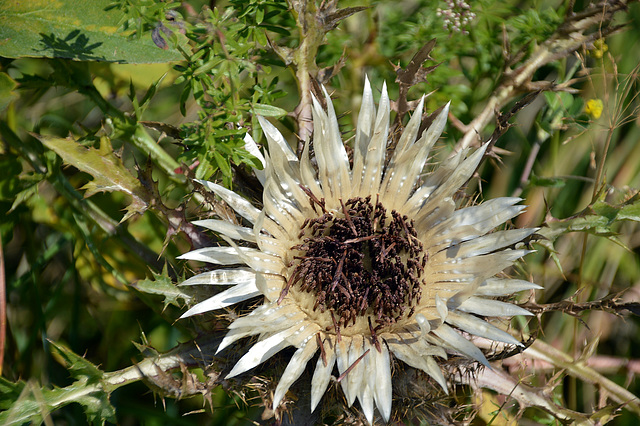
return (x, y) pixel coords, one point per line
(360, 262)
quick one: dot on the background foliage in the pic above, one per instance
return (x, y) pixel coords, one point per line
(109, 110)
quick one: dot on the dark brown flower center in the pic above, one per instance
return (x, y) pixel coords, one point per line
(358, 262)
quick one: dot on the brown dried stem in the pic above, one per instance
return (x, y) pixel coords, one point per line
(313, 22)
(612, 305)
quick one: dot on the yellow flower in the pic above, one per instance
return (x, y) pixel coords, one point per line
(594, 108)
(599, 48)
(360, 259)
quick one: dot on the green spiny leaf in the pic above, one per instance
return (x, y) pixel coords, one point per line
(108, 172)
(598, 219)
(7, 94)
(9, 392)
(548, 245)
(79, 367)
(30, 403)
(162, 285)
(630, 210)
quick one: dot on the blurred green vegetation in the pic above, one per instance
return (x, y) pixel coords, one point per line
(101, 149)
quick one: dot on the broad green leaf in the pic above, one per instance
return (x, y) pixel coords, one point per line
(78, 30)
(108, 172)
(7, 84)
(223, 164)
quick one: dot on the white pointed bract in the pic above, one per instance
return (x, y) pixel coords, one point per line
(359, 259)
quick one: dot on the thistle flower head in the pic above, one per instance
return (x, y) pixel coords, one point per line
(359, 259)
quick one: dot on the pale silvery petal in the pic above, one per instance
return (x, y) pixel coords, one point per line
(251, 146)
(402, 175)
(353, 381)
(321, 129)
(308, 173)
(453, 183)
(216, 255)
(277, 213)
(432, 181)
(237, 203)
(433, 369)
(423, 323)
(269, 317)
(223, 277)
(285, 180)
(422, 346)
(262, 351)
(491, 308)
(303, 334)
(272, 246)
(276, 140)
(237, 333)
(230, 230)
(486, 244)
(266, 225)
(322, 375)
(441, 307)
(375, 153)
(333, 162)
(343, 348)
(283, 176)
(256, 259)
(366, 402)
(471, 222)
(406, 353)
(294, 369)
(504, 286)
(410, 132)
(270, 285)
(481, 265)
(382, 383)
(460, 344)
(435, 214)
(281, 209)
(364, 132)
(226, 298)
(475, 325)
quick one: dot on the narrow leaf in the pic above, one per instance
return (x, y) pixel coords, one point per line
(268, 110)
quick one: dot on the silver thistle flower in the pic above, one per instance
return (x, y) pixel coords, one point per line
(360, 261)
